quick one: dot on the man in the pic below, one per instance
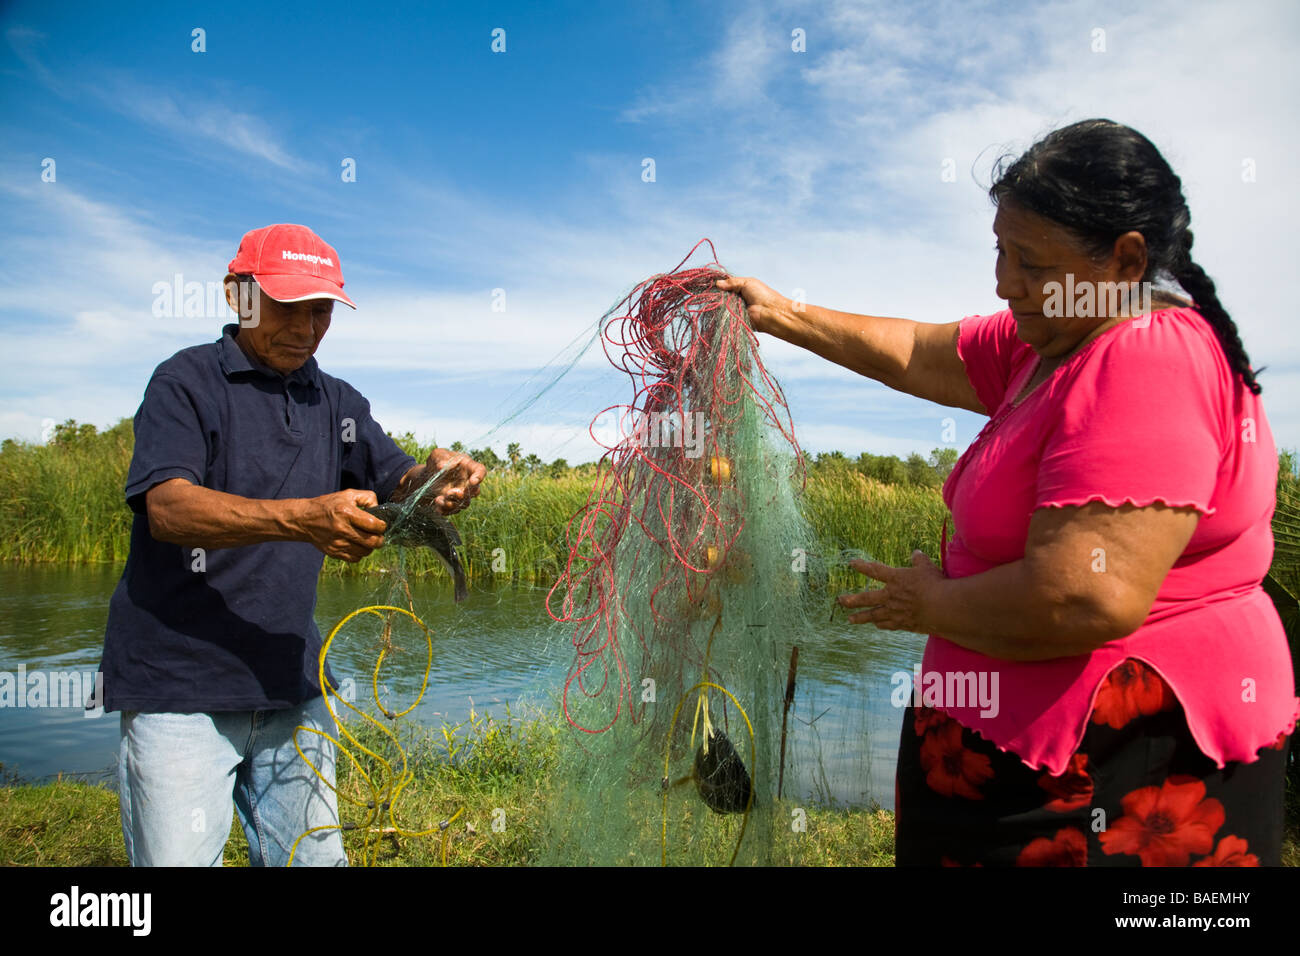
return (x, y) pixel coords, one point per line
(250, 466)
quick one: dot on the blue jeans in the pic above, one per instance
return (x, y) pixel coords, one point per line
(177, 775)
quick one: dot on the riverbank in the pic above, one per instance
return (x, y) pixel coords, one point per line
(481, 772)
(489, 771)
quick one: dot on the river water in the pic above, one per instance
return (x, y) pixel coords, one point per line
(496, 649)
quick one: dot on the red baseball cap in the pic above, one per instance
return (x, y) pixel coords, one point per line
(291, 263)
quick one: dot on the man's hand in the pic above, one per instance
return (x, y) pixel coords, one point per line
(337, 526)
(459, 481)
(454, 488)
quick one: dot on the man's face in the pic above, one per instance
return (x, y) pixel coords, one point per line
(286, 334)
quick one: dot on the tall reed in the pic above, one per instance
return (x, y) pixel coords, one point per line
(62, 503)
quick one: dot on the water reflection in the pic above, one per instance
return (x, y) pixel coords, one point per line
(496, 650)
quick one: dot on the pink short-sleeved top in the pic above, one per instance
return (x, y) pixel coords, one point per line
(1148, 411)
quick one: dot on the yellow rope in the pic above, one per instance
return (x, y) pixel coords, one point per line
(382, 799)
(702, 704)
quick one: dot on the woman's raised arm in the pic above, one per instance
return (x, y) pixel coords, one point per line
(919, 358)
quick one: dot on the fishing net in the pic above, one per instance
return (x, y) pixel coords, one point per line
(687, 593)
(682, 592)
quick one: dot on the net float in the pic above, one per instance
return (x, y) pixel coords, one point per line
(720, 469)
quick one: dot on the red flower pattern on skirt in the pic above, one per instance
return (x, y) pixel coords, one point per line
(1131, 689)
(1068, 848)
(927, 719)
(951, 769)
(1169, 823)
(1071, 789)
(1231, 851)
(1165, 825)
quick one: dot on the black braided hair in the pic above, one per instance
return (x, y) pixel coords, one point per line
(1100, 179)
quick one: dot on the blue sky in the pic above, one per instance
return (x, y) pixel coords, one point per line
(817, 171)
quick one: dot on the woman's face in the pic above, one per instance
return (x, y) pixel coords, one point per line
(1056, 292)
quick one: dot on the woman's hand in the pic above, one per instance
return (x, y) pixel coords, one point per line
(766, 307)
(903, 603)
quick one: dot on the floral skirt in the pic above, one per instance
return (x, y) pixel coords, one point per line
(1137, 792)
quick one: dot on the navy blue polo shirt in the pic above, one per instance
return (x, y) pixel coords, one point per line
(233, 628)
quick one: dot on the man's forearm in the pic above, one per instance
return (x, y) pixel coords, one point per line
(1007, 612)
(187, 514)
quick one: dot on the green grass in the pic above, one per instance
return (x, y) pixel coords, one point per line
(480, 766)
(63, 504)
(63, 501)
(486, 768)
(64, 823)
(850, 512)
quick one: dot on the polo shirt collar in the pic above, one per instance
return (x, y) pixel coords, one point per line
(235, 360)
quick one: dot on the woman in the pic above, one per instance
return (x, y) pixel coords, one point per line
(1111, 526)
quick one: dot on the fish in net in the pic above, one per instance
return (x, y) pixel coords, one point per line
(415, 523)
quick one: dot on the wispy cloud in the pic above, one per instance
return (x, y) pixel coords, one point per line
(201, 125)
(733, 76)
(26, 44)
